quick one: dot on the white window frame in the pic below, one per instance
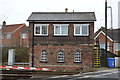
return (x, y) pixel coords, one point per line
(1, 36)
(102, 46)
(81, 25)
(77, 57)
(8, 35)
(43, 56)
(60, 56)
(35, 25)
(117, 46)
(60, 29)
(24, 35)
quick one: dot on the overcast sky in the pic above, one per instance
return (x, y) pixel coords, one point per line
(18, 11)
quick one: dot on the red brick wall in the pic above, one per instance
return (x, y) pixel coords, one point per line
(70, 39)
(24, 42)
(102, 40)
(15, 38)
(69, 51)
(69, 45)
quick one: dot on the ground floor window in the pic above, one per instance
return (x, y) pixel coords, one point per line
(77, 57)
(60, 57)
(43, 56)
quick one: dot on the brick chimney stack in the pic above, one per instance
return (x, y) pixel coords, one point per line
(66, 10)
(4, 25)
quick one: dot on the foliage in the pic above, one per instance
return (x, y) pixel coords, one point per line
(21, 54)
(102, 29)
(119, 53)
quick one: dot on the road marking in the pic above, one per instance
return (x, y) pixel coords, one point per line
(84, 77)
(59, 76)
(106, 74)
(100, 71)
(103, 74)
(80, 77)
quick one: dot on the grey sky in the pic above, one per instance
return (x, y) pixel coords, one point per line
(17, 11)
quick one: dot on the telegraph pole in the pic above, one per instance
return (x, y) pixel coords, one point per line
(106, 27)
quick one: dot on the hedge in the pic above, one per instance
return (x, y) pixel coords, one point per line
(21, 54)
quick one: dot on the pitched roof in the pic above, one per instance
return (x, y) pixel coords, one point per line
(62, 16)
(112, 34)
(12, 28)
(26, 30)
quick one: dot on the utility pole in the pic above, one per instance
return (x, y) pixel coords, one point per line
(106, 27)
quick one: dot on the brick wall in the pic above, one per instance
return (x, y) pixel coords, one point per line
(102, 40)
(68, 44)
(14, 41)
(69, 51)
(70, 39)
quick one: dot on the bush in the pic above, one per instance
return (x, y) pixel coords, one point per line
(119, 53)
(21, 54)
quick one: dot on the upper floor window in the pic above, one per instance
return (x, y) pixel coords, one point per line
(117, 46)
(77, 57)
(81, 29)
(41, 29)
(1, 36)
(8, 36)
(24, 35)
(43, 56)
(60, 29)
(60, 57)
(102, 46)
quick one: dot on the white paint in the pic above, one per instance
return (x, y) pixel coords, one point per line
(101, 32)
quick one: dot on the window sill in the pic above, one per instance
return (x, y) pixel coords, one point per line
(81, 35)
(60, 62)
(77, 61)
(43, 61)
(41, 35)
(61, 35)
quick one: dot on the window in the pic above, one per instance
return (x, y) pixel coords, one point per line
(77, 57)
(102, 46)
(60, 57)
(117, 46)
(41, 29)
(1, 36)
(24, 35)
(8, 36)
(43, 56)
(61, 29)
(81, 29)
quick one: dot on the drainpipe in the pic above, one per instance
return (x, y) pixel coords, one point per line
(33, 44)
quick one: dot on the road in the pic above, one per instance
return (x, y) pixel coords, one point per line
(111, 74)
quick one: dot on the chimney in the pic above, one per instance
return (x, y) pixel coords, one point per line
(66, 10)
(4, 24)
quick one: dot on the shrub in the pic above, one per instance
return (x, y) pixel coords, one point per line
(21, 54)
